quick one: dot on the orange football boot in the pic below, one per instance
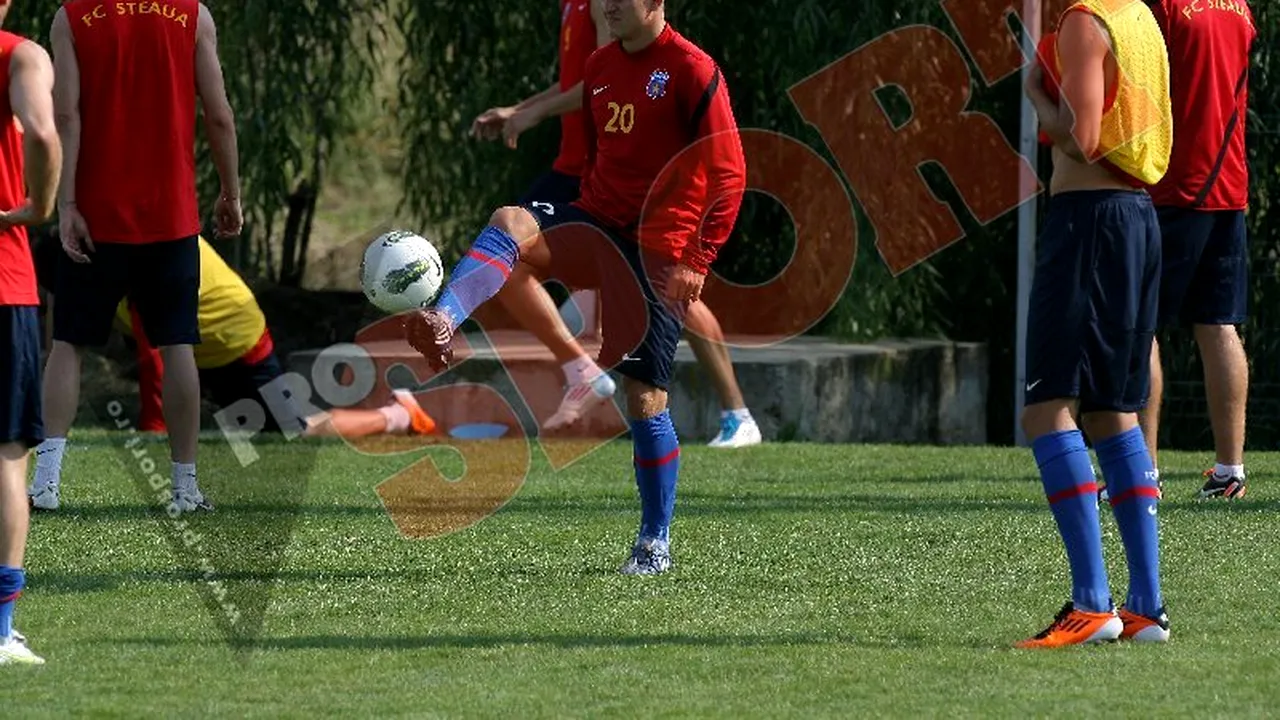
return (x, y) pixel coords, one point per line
(1076, 627)
(419, 421)
(1140, 628)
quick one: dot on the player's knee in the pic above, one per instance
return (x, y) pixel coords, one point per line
(1100, 426)
(1046, 417)
(515, 221)
(64, 348)
(644, 401)
(1210, 337)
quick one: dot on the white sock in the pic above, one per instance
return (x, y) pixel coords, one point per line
(49, 461)
(397, 417)
(184, 475)
(580, 370)
(742, 414)
(1228, 471)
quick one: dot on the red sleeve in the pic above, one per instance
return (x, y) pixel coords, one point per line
(150, 379)
(588, 121)
(725, 166)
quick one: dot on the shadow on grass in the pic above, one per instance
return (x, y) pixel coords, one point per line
(689, 503)
(477, 641)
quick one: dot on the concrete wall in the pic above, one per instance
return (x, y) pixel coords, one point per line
(898, 391)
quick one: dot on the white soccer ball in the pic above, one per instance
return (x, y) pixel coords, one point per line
(401, 271)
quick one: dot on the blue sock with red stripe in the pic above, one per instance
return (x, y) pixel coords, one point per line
(12, 580)
(657, 461)
(1073, 495)
(479, 275)
(1134, 491)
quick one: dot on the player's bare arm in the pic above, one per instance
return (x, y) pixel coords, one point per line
(1075, 123)
(72, 228)
(31, 97)
(552, 103)
(219, 124)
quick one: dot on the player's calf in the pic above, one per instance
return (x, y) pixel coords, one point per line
(477, 277)
(657, 467)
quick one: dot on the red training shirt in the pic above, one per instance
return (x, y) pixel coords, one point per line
(577, 42)
(664, 158)
(17, 272)
(136, 172)
(1209, 43)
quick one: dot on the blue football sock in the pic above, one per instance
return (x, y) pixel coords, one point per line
(1134, 491)
(657, 461)
(479, 275)
(12, 581)
(1072, 491)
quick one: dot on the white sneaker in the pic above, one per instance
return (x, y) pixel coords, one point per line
(580, 399)
(736, 432)
(43, 496)
(14, 651)
(190, 499)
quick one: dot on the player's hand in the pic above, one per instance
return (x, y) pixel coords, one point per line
(228, 216)
(516, 125)
(489, 125)
(685, 285)
(74, 232)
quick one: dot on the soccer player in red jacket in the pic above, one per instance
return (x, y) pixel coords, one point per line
(30, 161)
(1201, 203)
(663, 185)
(583, 29)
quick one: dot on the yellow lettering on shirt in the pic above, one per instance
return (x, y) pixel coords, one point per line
(163, 9)
(622, 120)
(99, 13)
(1195, 7)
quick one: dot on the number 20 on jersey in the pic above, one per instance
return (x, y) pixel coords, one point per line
(622, 118)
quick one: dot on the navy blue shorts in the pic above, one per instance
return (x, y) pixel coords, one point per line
(1205, 275)
(22, 420)
(553, 187)
(640, 329)
(162, 279)
(1094, 300)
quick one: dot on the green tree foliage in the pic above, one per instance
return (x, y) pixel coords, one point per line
(294, 70)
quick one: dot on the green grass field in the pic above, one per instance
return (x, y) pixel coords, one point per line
(810, 580)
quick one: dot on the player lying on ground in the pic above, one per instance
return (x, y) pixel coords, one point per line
(583, 29)
(127, 206)
(1201, 203)
(30, 157)
(235, 359)
(652, 95)
(1093, 307)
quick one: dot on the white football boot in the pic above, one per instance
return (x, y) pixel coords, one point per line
(736, 432)
(43, 495)
(14, 651)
